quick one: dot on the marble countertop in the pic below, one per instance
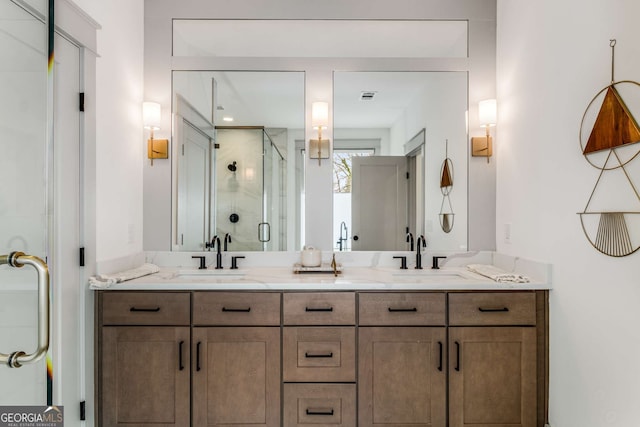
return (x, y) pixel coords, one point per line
(351, 278)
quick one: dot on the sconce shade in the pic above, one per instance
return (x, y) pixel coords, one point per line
(320, 115)
(151, 115)
(487, 112)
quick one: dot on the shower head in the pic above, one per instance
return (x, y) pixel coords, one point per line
(232, 166)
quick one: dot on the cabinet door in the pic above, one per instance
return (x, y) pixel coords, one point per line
(401, 378)
(236, 376)
(492, 376)
(145, 376)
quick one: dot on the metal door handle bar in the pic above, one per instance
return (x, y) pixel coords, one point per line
(19, 358)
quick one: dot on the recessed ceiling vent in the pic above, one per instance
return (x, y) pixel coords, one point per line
(368, 95)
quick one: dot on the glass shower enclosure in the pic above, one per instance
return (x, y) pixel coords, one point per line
(250, 189)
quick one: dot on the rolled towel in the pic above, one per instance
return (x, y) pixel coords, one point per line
(103, 281)
(497, 274)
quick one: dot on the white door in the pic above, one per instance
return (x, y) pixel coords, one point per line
(23, 194)
(379, 203)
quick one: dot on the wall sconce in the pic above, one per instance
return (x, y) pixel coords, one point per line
(487, 113)
(156, 148)
(319, 148)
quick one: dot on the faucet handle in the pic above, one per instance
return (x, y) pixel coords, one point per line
(234, 261)
(202, 262)
(403, 262)
(434, 263)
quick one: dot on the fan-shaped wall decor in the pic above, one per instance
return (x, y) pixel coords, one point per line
(614, 127)
(446, 185)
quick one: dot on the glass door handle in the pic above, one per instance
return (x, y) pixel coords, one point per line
(264, 232)
(19, 358)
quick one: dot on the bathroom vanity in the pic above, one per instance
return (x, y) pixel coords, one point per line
(346, 353)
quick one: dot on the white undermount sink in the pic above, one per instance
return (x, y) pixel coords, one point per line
(427, 275)
(213, 274)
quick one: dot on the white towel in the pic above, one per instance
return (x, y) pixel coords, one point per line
(497, 274)
(103, 281)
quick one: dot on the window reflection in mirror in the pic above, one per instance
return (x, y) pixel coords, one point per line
(235, 169)
(402, 120)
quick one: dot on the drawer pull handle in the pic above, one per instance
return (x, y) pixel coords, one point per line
(440, 360)
(457, 368)
(328, 412)
(318, 309)
(393, 310)
(236, 310)
(180, 364)
(145, 310)
(310, 355)
(198, 356)
(493, 310)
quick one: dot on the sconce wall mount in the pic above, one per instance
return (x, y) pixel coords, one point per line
(156, 148)
(319, 148)
(487, 114)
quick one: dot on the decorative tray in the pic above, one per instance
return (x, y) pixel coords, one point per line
(324, 268)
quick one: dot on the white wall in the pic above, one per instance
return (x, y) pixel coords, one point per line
(552, 59)
(120, 141)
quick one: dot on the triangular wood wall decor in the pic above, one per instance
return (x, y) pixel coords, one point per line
(614, 126)
(446, 180)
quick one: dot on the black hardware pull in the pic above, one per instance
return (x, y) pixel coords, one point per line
(143, 310)
(236, 310)
(440, 362)
(311, 309)
(493, 310)
(308, 355)
(319, 412)
(457, 368)
(198, 356)
(393, 310)
(181, 365)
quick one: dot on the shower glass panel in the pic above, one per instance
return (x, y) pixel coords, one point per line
(23, 200)
(245, 189)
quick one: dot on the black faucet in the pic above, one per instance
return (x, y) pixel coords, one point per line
(434, 262)
(410, 239)
(420, 242)
(215, 243)
(227, 239)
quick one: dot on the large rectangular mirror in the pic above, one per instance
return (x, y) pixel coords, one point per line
(235, 169)
(394, 132)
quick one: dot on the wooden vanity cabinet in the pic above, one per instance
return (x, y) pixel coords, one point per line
(319, 359)
(493, 363)
(402, 377)
(236, 369)
(144, 371)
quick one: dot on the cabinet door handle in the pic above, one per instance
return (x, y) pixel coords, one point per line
(320, 412)
(457, 368)
(413, 309)
(198, 356)
(318, 309)
(148, 310)
(493, 310)
(180, 363)
(236, 310)
(310, 355)
(440, 359)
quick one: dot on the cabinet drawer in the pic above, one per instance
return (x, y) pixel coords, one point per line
(145, 308)
(236, 308)
(492, 308)
(323, 404)
(319, 354)
(319, 308)
(386, 309)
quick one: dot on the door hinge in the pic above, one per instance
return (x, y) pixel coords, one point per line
(83, 411)
(81, 101)
(407, 175)
(81, 257)
(183, 149)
